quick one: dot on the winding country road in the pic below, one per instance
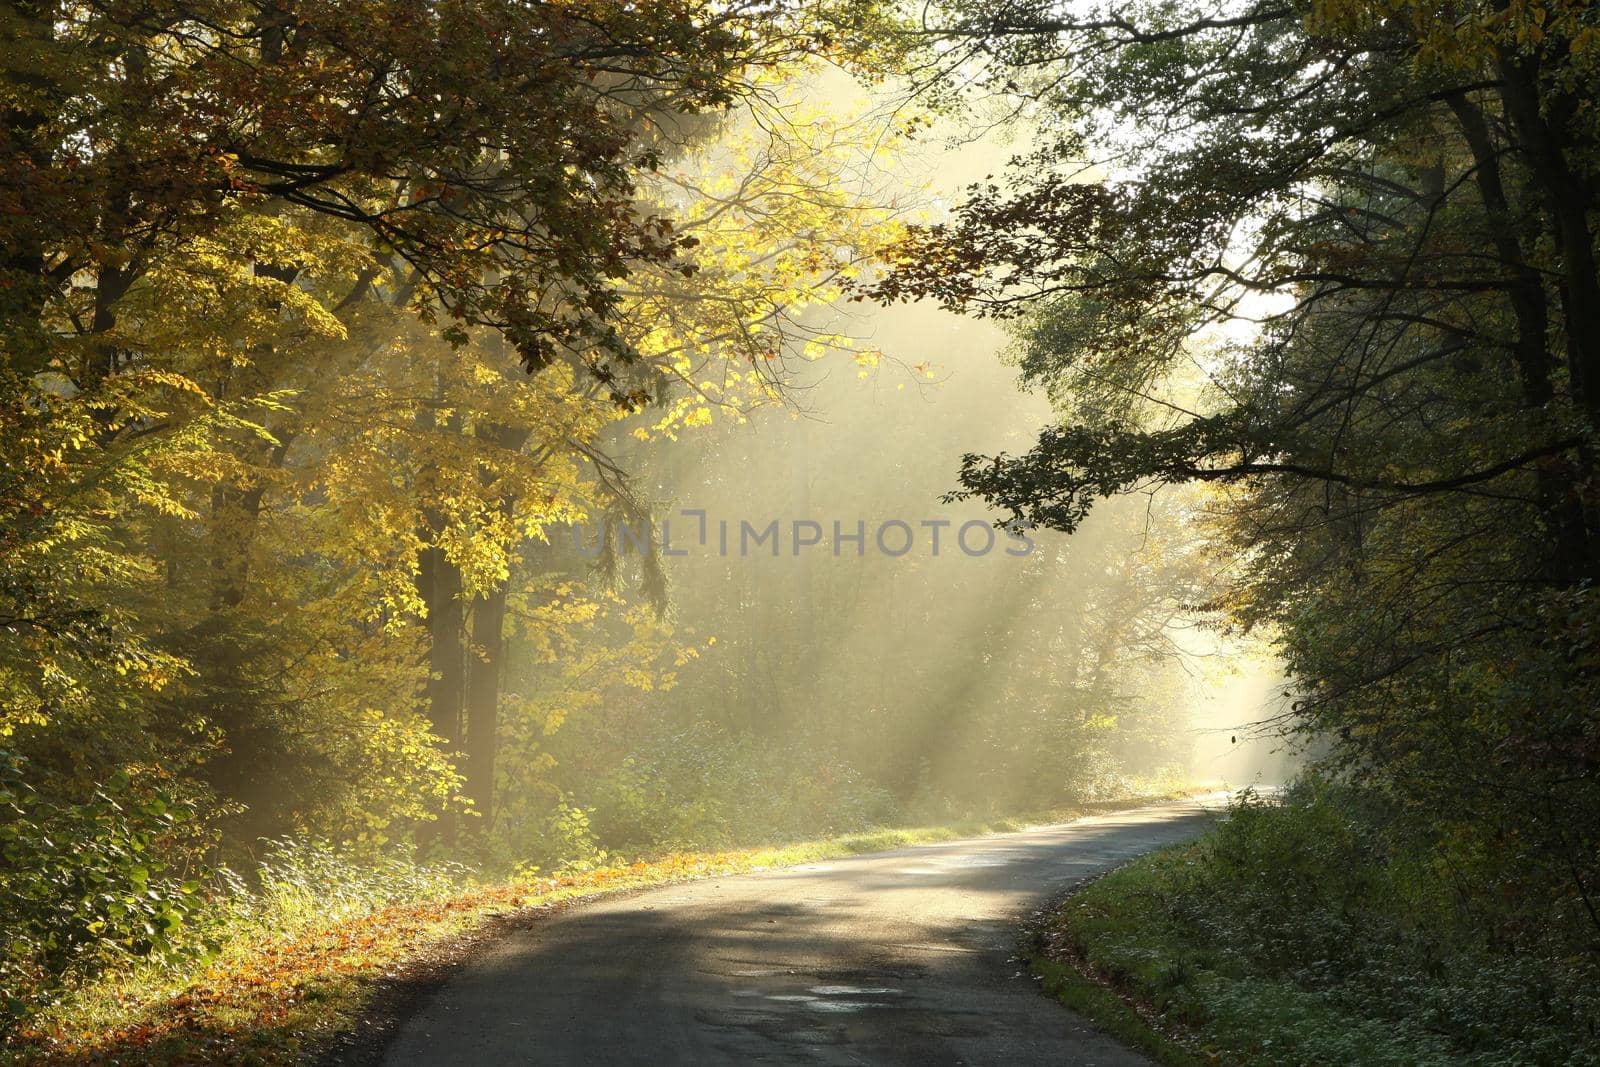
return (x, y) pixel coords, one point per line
(900, 957)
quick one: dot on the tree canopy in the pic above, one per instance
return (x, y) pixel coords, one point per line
(1336, 261)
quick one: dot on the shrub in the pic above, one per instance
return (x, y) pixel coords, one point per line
(84, 885)
(1323, 927)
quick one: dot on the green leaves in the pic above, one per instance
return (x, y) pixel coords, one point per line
(84, 885)
(1337, 264)
(1324, 927)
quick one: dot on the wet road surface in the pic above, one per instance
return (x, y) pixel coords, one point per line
(900, 957)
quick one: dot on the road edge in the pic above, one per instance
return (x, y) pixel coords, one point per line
(397, 995)
(1071, 981)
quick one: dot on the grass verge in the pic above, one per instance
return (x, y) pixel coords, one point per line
(1067, 952)
(284, 984)
(1292, 935)
(1108, 1010)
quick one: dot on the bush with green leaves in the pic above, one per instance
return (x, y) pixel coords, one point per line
(1324, 927)
(566, 843)
(85, 885)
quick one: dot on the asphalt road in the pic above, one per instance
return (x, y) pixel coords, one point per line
(902, 957)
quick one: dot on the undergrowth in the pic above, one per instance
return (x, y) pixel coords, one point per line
(1301, 932)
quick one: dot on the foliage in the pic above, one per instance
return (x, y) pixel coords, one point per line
(564, 842)
(1335, 262)
(266, 960)
(1322, 928)
(115, 895)
(304, 882)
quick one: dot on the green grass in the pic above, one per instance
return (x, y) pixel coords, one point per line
(1120, 938)
(1108, 1010)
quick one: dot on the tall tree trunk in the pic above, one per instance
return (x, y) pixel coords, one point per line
(483, 699)
(24, 151)
(1541, 121)
(1573, 553)
(439, 583)
(486, 664)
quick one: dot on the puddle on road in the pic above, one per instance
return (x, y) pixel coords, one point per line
(754, 972)
(829, 999)
(840, 1006)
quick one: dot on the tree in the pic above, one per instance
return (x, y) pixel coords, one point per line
(1382, 214)
(298, 302)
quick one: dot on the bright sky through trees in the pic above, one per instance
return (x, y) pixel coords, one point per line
(356, 360)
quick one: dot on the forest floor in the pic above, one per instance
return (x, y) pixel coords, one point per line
(293, 993)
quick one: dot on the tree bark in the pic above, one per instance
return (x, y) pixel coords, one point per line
(439, 583)
(22, 140)
(483, 700)
(486, 666)
(1569, 531)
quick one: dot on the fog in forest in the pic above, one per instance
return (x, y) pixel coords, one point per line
(968, 678)
(847, 680)
(458, 459)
